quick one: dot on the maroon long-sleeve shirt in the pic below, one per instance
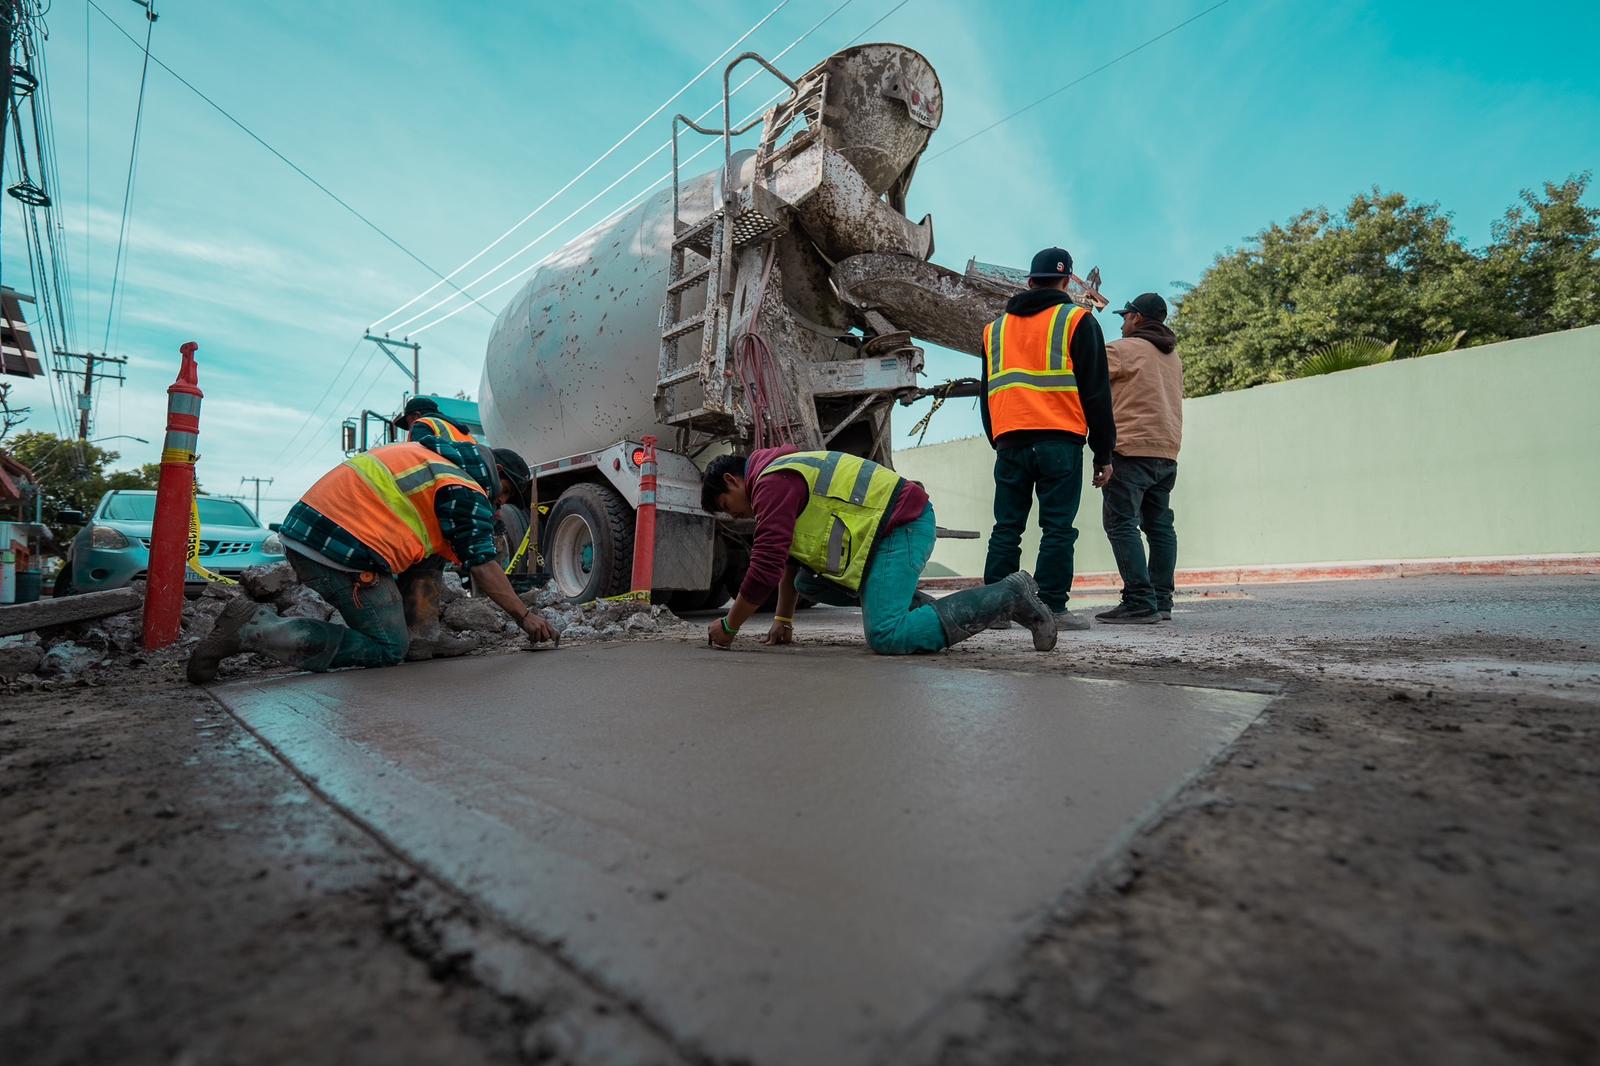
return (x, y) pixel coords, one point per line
(778, 501)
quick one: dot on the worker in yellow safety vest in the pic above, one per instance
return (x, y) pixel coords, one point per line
(1046, 392)
(844, 530)
(363, 525)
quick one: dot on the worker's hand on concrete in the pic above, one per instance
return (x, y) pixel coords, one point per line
(1102, 476)
(538, 630)
(718, 636)
(780, 633)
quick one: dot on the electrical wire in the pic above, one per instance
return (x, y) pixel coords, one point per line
(311, 412)
(717, 105)
(1077, 81)
(127, 188)
(585, 171)
(291, 164)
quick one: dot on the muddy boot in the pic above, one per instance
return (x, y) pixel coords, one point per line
(920, 599)
(222, 641)
(422, 594)
(443, 646)
(969, 612)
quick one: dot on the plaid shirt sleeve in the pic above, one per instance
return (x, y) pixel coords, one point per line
(466, 518)
(466, 456)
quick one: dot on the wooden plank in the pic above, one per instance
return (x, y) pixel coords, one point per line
(26, 617)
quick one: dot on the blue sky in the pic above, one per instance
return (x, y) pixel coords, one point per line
(446, 123)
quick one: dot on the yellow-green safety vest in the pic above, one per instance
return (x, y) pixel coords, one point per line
(851, 500)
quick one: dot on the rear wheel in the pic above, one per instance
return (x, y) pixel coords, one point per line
(63, 585)
(589, 543)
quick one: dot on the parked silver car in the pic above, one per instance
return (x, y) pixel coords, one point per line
(113, 547)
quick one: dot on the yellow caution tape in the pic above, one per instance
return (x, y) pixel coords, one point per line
(178, 455)
(527, 537)
(194, 543)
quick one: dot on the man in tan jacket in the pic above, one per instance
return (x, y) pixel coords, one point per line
(1147, 402)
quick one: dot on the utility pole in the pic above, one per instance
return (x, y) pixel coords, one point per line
(10, 11)
(94, 366)
(258, 481)
(389, 345)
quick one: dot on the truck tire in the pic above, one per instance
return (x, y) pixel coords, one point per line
(588, 543)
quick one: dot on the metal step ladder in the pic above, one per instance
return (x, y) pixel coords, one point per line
(745, 217)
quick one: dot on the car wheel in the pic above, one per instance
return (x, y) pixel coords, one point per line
(63, 584)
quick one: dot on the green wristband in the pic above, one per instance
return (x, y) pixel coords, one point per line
(726, 628)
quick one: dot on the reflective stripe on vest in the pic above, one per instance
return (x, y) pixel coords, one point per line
(446, 429)
(385, 499)
(1030, 382)
(850, 502)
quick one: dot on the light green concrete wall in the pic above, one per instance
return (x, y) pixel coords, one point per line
(1490, 451)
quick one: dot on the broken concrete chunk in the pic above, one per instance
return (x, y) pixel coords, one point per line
(57, 611)
(477, 615)
(266, 583)
(453, 589)
(68, 659)
(19, 659)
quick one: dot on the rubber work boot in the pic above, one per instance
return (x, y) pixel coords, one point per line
(422, 591)
(969, 612)
(222, 641)
(1066, 620)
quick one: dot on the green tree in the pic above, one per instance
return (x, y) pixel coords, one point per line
(1543, 265)
(1389, 268)
(74, 476)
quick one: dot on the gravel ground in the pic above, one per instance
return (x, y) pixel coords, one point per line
(1399, 862)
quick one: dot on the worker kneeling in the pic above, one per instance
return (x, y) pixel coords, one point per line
(844, 530)
(367, 522)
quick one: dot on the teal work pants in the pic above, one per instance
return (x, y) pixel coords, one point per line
(892, 626)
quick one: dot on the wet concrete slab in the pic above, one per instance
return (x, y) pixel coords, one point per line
(788, 856)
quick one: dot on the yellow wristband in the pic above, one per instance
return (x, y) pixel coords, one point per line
(786, 621)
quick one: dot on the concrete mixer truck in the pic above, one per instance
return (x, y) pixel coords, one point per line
(776, 299)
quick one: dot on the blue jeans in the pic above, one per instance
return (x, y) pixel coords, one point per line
(892, 627)
(1138, 497)
(1054, 470)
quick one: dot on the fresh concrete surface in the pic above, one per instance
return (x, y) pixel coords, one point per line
(792, 856)
(1414, 459)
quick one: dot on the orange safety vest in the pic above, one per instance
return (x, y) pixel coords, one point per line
(1030, 382)
(385, 499)
(444, 428)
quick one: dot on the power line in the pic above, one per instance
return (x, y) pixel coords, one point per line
(1078, 80)
(291, 164)
(127, 189)
(311, 412)
(624, 177)
(586, 170)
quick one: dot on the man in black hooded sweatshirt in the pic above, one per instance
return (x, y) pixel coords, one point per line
(1046, 392)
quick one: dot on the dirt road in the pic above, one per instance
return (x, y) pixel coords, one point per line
(1397, 862)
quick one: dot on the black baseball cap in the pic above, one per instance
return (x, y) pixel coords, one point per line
(420, 407)
(1147, 304)
(1051, 263)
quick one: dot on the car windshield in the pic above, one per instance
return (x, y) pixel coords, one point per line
(124, 507)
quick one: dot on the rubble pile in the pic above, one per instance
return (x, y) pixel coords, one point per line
(85, 652)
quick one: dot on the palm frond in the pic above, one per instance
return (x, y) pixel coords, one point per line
(1346, 354)
(1441, 344)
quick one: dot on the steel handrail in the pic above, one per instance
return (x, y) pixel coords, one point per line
(728, 131)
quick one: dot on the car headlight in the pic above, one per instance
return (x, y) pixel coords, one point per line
(272, 545)
(106, 537)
